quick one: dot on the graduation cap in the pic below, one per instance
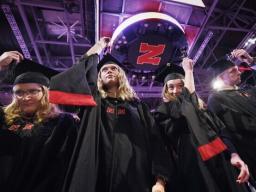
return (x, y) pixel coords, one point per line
(109, 59)
(220, 66)
(170, 72)
(24, 66)
(32, 77)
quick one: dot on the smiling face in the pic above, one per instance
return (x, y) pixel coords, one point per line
(174, 87)
(231, 76)
(28, 97)
(109, 75)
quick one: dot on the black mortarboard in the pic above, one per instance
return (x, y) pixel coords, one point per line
(220, 66)
(109, 59)
(32, 77)
(170, 72)
(27, 66)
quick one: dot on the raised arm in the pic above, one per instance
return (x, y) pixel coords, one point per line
(98, 47)
(187, 65)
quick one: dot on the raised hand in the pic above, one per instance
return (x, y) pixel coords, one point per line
(7, 57)
(98, 47)
(187, 64)
(242, 55)
(104, 42)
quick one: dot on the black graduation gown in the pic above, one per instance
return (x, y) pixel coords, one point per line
(127, 148)
(192, 173)
(118, 147)
(237, 109)
(36, 160)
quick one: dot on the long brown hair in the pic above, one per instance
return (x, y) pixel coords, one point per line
(45, 111)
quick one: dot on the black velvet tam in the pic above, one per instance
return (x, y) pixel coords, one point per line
(32, 77)
(170, 72)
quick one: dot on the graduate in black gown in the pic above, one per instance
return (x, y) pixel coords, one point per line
(191, 134)
(236, 107)
(36, 139)
(119, 147)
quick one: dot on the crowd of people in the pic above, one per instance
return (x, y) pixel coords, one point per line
(116, 143)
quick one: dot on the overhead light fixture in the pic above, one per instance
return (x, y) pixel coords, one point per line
(143, 16)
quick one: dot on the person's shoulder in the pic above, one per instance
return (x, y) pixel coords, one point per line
(135, 102)
(61, 117)
(215, 96)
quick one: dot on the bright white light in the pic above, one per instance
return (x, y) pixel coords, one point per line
(252, 40)
(217, 84)
(140, 17)
(198, 3)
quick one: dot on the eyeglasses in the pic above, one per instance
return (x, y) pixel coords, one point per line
(22, 93)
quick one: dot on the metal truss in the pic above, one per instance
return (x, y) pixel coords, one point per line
(225, 22)
(13, 24)
(39, 39)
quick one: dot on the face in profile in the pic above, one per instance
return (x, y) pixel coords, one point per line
(174, 87)
(109, 75)
(231, 76)
(28, 97)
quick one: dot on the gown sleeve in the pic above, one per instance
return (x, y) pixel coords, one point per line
(76, 86)
(161, 165)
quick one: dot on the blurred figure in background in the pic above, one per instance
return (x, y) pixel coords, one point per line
(236, 107)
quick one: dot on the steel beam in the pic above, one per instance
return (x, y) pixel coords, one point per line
(82, 31)
(97, 20)
(30, 34)
(223, 33)
(62, 43)
(228, 28)
(121, 17)
(204, 24)
(14, 26)
(43, 4)
(40, 35)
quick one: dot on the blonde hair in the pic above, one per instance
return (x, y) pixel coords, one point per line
(125, 91)
(45, 111)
